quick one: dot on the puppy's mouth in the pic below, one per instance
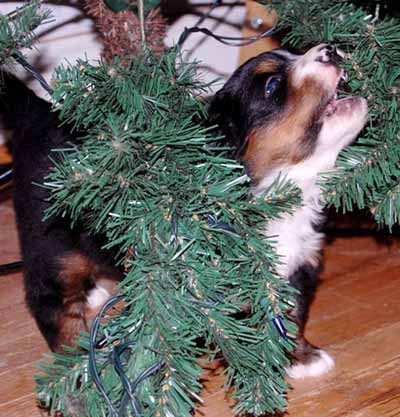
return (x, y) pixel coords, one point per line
(335, 105)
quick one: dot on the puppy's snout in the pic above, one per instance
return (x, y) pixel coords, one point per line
(321, 65)
(329, 54)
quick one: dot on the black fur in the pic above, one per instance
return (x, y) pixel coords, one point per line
(305, 280)
(241, 104)
(36, 132)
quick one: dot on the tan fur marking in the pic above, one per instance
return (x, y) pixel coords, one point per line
(71, 323)
(76, 270)
(77, 274)
(283, 140)
(266, 66)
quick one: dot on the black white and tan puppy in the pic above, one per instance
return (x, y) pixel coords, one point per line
(278, 111)
(281, 113)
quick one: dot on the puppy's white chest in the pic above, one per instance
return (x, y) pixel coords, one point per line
(296, 240)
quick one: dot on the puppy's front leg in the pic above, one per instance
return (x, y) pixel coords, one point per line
(307, 360)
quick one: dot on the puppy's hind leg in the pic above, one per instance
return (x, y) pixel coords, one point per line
(65, 296)
(86, 287)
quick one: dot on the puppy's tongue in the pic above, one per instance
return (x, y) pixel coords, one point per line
(339, 105)
(331, 106)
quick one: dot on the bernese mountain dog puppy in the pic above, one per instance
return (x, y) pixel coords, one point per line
(280, 114)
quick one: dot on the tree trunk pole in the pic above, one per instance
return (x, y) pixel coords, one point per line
(141, 20)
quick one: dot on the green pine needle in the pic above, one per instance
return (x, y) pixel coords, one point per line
(17, 29)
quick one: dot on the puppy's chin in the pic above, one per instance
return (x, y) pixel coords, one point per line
(342, 121)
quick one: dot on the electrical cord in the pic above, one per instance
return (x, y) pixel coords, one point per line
(231, 40)
(115, 358)
(186, 33)
(6, 174)
(34, 72)
(226, 40)
(11, 267)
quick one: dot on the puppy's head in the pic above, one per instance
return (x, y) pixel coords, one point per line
(279, 109)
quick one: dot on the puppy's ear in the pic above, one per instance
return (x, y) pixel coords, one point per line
(224, 111)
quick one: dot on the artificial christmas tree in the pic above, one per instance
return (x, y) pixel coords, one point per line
(155, 182)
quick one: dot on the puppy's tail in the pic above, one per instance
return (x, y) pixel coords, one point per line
(19, 106)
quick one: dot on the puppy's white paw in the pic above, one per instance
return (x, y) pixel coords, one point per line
(320, 363)
(97, 297)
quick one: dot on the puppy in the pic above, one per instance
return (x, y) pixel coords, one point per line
(280, 113)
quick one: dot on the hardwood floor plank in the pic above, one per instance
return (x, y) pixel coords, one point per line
(17, 382)
(22, 351)
(21, 407)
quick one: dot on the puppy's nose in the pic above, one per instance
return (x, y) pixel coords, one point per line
(328, 54)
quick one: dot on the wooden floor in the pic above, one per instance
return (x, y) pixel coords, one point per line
(356, 317)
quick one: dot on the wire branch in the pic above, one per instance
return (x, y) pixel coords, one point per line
(141, 20)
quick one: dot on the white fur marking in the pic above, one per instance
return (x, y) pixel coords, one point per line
(313, 64)
(97, 296)
(320, 366)
(296, 240)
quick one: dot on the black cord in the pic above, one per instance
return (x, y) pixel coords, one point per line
(186, 33)
(11, 267)
(115, 358)
(126, 384)
(226, 40)
(32, 70)
(92, 353)
(231, 40)
(6, 174)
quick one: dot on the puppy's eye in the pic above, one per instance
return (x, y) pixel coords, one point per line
(272, 84)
